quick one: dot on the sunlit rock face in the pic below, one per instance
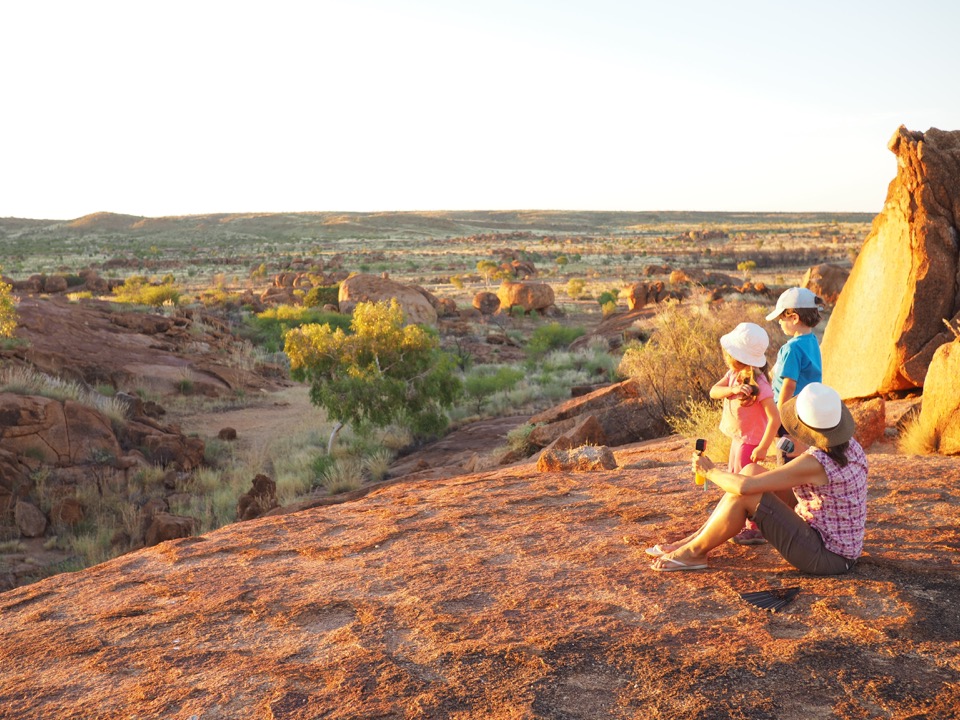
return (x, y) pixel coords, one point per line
(889, 319)
(941, 401)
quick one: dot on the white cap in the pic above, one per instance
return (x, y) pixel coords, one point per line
(793, 298)
(747, 343)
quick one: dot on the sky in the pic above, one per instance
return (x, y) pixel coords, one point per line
(180, 108)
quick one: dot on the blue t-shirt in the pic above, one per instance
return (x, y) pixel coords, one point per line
(799, 360)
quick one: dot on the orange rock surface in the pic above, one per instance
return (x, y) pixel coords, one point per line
(503, 594)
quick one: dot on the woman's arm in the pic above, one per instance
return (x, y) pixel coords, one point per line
(802, 470)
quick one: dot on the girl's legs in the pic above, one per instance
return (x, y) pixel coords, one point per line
(739, 455)
(739, 458)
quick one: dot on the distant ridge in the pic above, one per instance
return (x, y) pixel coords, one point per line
(411, 224)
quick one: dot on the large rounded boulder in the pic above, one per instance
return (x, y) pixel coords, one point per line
(372, 288)
(826, 281)
(528, 295)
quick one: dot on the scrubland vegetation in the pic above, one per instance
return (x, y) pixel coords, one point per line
(395, 387)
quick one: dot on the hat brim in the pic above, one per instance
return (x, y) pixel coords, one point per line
(741, 355)
(818, 437)
(775, 314)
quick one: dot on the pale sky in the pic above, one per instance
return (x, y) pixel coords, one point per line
(176, 108)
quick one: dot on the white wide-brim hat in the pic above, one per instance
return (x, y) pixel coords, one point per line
(817, 416)
(747, 343)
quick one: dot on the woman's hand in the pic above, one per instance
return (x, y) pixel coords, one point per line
(701, 463)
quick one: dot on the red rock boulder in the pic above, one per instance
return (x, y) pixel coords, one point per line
(528, 295)
(588, 458)
(59, 433)
(371, 288)
(825, 281)
(940, 411)
(486, 302)
(889, 318)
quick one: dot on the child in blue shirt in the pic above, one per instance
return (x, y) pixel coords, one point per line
(798, 360)
(798, 364)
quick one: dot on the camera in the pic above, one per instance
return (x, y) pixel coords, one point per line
(785, 445)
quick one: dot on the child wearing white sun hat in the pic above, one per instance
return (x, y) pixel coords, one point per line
(750, 418)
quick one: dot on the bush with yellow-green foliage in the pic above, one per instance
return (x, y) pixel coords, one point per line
(382, 372)
(8, 310)
(141, 290)
(575, 288)
(701, 419)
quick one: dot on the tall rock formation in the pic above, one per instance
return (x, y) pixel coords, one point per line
(889, 319)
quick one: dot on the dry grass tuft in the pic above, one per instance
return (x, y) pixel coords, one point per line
(918, 438)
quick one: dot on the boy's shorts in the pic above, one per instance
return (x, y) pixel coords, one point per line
(800, 544)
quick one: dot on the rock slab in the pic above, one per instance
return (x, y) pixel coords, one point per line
(889, 317)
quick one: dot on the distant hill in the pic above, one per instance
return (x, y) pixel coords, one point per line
(409, 225)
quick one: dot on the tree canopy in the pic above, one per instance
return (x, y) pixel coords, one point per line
(378, 373)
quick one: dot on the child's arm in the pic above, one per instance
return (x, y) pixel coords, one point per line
(722, 391)
(770, 432)
(786, 392)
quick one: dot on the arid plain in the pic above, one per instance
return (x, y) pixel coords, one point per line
(457, 586)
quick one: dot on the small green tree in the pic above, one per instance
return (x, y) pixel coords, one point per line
(380, 373)
(552, 336)
(8, 310)
(747, 267)
(607, 297)
(488, 269)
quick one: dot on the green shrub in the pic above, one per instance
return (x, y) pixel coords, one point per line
(607, 296)
(8, 310)
(343, 475)
(267, 329)
(321, 464)
(575, 288)
(519, 438)
(383, 371)
(483, 382)
(377, 464)
(551, 336)
(321, 295)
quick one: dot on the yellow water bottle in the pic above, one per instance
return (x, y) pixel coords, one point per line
(701, 448)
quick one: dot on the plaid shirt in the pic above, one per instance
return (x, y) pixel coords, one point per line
(837, 510)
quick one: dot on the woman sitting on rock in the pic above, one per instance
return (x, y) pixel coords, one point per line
(820, 531)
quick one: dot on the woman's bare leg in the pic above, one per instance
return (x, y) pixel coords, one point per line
(724, 522)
